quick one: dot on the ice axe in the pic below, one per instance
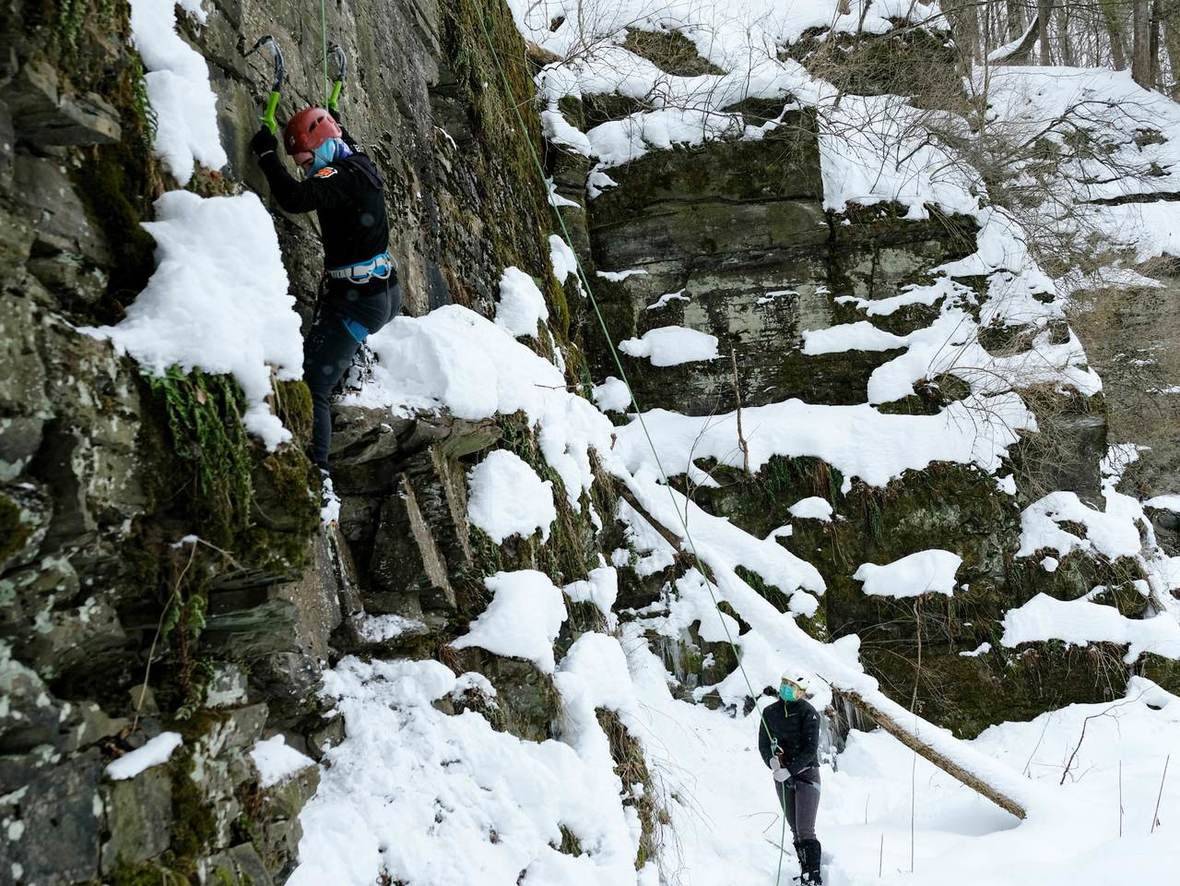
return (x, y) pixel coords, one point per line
(272, 101)
(340, 60)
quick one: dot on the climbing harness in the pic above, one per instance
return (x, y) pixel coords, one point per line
(379, 267)
(280, 73)
(582, 278)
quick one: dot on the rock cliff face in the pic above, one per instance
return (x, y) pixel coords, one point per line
(111, 629)
(114, 628)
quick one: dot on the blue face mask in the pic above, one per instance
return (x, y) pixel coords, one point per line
(322, 156)
(787, 692)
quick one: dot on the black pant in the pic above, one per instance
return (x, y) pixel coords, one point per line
(800, 801)
(331, 345)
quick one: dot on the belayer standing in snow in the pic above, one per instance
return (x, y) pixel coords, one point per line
(788, 739)
(360, 292)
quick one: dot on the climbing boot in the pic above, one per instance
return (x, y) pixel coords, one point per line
(810, 862)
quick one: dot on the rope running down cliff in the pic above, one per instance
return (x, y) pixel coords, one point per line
(639, 413)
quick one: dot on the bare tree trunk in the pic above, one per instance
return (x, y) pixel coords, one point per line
(1172, 43)
(965, 27)
(1015, 19)
(1155, 42)
(1141, 42)
(1044, 11)
(1065, 45)
(1114, 27)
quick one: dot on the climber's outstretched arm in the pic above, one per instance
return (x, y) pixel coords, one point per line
(292, 195)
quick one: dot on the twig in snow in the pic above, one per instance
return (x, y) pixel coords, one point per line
(1027, 771)
(914, 765)
(1120, 797)
(737, 393)
(1082, 737)
(1155, 816)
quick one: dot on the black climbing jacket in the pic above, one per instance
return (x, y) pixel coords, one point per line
(349, 198)
(795, 726)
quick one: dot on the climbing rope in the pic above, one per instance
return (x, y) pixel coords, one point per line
(682, 517)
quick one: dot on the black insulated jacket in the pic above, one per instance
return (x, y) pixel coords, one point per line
(795, 726)
(349, 198)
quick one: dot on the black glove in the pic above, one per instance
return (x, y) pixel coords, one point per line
(264, 142)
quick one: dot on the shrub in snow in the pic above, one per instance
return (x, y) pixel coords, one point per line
(522, 305)
(921, 573)
(672, 346)
(154, 753)
(523, 619)
(508, 498)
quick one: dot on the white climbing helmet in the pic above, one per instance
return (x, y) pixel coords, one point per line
(798, 680)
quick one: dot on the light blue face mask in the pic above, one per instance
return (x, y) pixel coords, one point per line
(787, 692)
(322, 156)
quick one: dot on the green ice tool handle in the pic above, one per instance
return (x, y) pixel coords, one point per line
(334, 95)
(268, 116)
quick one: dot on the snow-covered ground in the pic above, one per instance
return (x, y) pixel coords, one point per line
(446, 800)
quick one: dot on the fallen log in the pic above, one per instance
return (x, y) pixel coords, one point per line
(925, 750)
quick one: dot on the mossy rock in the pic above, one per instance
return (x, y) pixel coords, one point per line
(14, 532)
(907, 61)
(930, 397)
(782, 166)
(293, 407)
(1164, 671)
(527, 698)
(493, 81)
(194, 824)
(670, 51)
(968, 694)
(1078, 574)
(602, 108)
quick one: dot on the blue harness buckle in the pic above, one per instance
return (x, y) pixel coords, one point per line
(379, 267)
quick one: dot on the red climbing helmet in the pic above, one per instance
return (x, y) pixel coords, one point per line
(309, 129)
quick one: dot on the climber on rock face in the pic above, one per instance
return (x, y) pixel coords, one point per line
(788, 739)
(360, 291)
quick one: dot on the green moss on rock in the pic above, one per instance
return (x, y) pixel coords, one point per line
(631, 767)
(194, 824)
(202, 415)
(13, 531)
(294, 408)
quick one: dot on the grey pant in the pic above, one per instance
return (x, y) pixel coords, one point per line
(799, 798)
